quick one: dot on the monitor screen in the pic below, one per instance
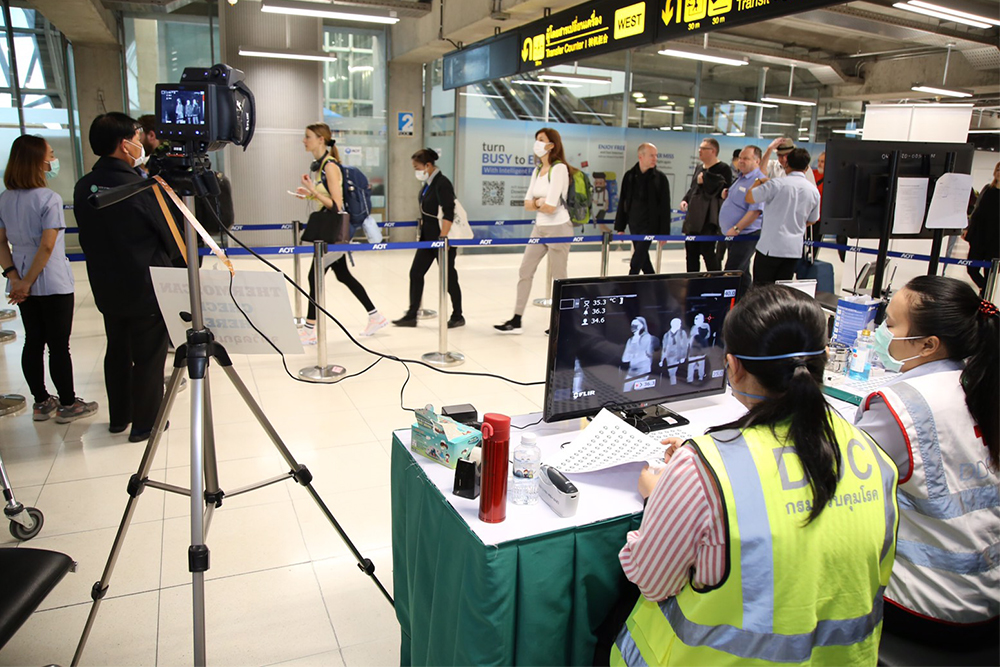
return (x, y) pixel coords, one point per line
(631, 342)
(182, 107)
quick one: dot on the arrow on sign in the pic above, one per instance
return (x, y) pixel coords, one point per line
(667, 13)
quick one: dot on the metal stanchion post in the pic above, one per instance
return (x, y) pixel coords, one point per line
(605, 253)
(546, 301)
(659, 255)
(297, 273)
(992, 278)
(443, 357)
(6, 335)
(321, 372)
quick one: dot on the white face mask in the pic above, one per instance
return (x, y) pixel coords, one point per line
(141, 160)
(53, 168)
(421, 175)
(540, 148)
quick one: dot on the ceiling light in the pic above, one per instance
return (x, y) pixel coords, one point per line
(769, 122)
(636, 94)
(705, 56)
(678, 127)
(663, 98)
(330, 11)
(286, 54)
(937, 90)
(354, 69)
(492, 97)
(954, 12)
(662, 110)
(736, 134)
(574, 78)
(690, 125)
(781, 99)
(550, 84)
(594, 113)
(993, 131)
(640, 100)
(754, 104)
(940, 15)
(856, 130)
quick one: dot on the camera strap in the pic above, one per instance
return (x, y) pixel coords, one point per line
(209, 241)
(178, 239)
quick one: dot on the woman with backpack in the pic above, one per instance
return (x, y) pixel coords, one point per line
(325, 186)
(547, 197)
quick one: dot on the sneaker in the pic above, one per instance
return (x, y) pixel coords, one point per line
(375, 322)
(307, 336)
(508, 327)
(456, 321)
(80, 409)
(406, 321)
(43, 411)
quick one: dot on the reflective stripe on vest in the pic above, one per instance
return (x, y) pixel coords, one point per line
(940, 559)
(630, 653)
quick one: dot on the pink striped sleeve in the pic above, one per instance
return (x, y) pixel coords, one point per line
(681, 529)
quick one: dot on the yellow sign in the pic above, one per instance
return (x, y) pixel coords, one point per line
(630, 20)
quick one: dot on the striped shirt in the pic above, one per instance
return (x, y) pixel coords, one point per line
(682, 528)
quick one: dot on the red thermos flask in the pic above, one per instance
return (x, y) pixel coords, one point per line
(493, 488)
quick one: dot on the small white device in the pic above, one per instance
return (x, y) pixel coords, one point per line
(557, 491)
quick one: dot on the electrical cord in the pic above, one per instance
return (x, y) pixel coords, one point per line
(344, 329)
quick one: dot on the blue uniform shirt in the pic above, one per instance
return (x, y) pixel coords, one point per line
(25, 214)
(792, 202)
(735, 206)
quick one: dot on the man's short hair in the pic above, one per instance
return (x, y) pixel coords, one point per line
(713, 143)
(799, 159)
(108, 130)
(148, 122)
(736, 153)
(756, 151)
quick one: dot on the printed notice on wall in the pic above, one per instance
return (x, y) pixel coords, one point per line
(911, 204)
(950, 202)
(262, 295)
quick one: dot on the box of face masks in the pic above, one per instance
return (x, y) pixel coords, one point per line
(854, 313)
(442, 439)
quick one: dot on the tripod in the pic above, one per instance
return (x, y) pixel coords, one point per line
(205, 493)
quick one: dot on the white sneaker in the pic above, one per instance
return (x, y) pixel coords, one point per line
(375, 322)
(307, 336)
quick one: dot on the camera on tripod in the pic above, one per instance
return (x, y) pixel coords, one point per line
(209, 108)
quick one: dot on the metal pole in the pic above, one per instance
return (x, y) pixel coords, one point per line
(605, 253)
(321, 372)
(297, 273)
(546, 301)
(659, 255)
(990, 291)
(15, 79)
(548, 103)
(443, 357)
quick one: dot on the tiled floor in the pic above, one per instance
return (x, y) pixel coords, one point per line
(283, 588)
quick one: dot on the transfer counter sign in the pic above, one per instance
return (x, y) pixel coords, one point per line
(584, 31)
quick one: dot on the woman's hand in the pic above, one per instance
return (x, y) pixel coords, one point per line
(673, 444)
(307, 185)
(648, 479)
(529, 204)
(19, 290)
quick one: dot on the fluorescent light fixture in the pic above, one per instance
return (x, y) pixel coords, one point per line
(776, 124)
(993, 131)
(754, 104)
(661, 110)
(784, 99)
(594, 113)
(663, 98)
(550, 84)
(678, 127)
(492, 97)
(330, 11)
(705, 56)
(640, 100)
(287, 54)
(854, 131)
(953, 12)
(736, 134)
(636, 94)
(940, 15)
(690, 125)
(354, 69)
(574, 78)
(938, 90)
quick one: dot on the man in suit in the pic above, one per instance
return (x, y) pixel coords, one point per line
(121, 242)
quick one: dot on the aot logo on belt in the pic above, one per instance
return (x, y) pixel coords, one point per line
(630, 20)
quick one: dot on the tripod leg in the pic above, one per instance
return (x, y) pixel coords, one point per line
(213, 494)
(198, 555)
(136, 485)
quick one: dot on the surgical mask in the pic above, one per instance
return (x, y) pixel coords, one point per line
(141, 160)
(421, 175)
(755, 397)
(883, 339)
(540, 148)
(53, 169)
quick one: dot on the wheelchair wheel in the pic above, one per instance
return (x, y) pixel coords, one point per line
(20, 532)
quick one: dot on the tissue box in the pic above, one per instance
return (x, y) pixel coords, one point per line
(853, 314)
(442, 439)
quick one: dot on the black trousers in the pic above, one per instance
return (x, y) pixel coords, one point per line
(48, 322)
(978, 277)
(640, 259)
(767, 270)
(133, 369)
(344, 275)
(740, 254)
(695, 250)
(423, 258)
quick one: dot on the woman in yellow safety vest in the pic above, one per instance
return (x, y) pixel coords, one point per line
(770, 539)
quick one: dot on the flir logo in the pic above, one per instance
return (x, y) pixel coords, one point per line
(630, 20)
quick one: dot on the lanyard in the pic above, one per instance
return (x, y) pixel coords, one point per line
(424, 192)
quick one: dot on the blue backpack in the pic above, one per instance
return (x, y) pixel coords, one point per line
(357, 194)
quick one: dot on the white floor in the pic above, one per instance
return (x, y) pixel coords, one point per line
(282, 588)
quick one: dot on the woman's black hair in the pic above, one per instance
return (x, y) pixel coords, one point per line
(426, 156)
(952, 311)
(775, 320)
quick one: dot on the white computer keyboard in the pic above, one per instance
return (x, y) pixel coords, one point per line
(854, 391)
(608, 441)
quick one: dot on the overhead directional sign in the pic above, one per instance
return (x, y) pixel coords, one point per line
(676, 18)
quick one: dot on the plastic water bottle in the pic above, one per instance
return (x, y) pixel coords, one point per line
(860, 366)
(527, 459)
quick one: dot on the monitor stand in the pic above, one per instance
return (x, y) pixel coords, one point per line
(656, 418)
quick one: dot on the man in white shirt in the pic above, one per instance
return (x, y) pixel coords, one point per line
(778, 167)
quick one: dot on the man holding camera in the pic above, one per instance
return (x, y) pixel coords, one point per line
(121, 242)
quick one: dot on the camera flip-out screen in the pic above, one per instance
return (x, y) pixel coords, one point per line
(182, 111)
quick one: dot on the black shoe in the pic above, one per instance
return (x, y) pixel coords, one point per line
(456, 322)
(406, 321)
(508, 327)
(116, 428)
(546, 332)
(139, 436)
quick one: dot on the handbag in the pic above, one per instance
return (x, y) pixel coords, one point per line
(329, 226)
(460, 228)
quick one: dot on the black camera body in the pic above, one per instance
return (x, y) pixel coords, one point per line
(209, 108)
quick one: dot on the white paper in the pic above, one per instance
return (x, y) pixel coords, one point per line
(261, 294)
(911, 204)
(605, 443)
(950, 202)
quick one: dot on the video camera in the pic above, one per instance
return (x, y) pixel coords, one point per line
(209, 108)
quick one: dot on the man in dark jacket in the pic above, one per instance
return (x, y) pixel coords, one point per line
(644, 206)
(702, 203)
(121, 242)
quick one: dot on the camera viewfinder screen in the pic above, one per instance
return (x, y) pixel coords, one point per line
(182, 107)
(634, 342)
